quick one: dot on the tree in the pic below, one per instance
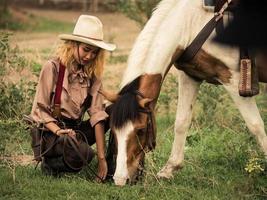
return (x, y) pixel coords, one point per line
(137, 10)
(94, 6)
(41, 2)
(91, 5)
(3, 6)
(4, 14)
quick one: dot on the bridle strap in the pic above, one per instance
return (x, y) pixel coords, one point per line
(150, 129)
(75, 145)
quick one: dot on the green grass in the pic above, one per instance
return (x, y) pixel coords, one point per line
(214, 168)
(117, 59)
(14, 138)
(34, 24)
(7, 21)
(216, 155)
(218, 149)
(42, 24)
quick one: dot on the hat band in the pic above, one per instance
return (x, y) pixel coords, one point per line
(87, 37)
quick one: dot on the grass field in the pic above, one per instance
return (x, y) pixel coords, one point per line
(214, 169)
(222, 159)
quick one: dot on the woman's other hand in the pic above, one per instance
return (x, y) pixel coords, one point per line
(102, 169)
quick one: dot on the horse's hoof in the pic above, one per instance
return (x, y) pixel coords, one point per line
(167, 171)
(164, 175)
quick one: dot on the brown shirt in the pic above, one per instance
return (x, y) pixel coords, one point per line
(76, 87)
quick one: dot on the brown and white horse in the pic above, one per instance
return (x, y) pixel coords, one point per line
(172, 27)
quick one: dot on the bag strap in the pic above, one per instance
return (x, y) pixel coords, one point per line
(56, 112)
(86, 104)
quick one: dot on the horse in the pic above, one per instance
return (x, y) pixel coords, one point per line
(172, 27)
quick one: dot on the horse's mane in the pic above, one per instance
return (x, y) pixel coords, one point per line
(138, 55)
(126, 107)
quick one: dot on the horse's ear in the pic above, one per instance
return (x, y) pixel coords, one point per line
(144, 102)
(112, 97)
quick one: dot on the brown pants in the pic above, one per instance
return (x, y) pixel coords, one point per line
(56, 160)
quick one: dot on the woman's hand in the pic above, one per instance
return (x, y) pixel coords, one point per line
(100, 146)
(69, 132)
(102, 169)
(53, 127)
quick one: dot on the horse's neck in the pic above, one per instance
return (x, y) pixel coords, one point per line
(138, 56)
(174, 24)
(176, 31)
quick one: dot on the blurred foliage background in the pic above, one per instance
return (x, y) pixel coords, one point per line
(222, 160)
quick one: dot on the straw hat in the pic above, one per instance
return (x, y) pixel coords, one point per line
(89, 30)
(247, 29)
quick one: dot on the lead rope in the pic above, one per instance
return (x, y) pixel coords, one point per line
(73, 142)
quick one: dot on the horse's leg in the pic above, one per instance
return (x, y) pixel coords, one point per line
(188, 89)
(249, 111)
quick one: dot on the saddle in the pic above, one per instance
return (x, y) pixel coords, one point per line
(249, 81)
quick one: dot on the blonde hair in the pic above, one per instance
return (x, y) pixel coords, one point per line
(65, 53)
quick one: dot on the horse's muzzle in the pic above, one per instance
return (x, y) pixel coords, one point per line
(120, 181)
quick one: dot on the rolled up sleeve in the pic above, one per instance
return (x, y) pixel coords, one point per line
(97, 109)
(41, 109)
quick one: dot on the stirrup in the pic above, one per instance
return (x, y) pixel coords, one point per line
(248, 83)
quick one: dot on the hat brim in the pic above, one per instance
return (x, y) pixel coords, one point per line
(98, 43)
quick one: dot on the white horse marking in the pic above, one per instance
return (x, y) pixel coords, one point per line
(121, 175)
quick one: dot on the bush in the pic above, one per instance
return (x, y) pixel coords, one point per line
(215, 105)
(10, 58)
(137, 10)
(7, 21)
(15, 139)
(168, 97)
(16, 98)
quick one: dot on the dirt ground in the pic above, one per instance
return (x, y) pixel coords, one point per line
(117, 28)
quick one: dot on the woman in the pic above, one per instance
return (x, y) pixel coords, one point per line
(82, 57)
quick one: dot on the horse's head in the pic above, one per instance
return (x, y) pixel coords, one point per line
(133, 124)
